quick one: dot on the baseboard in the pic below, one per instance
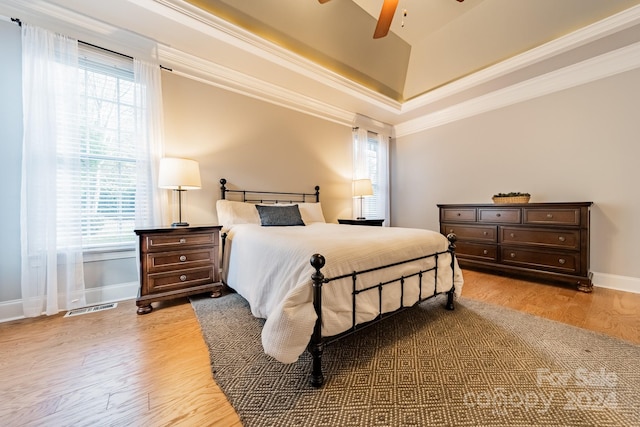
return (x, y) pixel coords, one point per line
(619, 283)
(12, 310)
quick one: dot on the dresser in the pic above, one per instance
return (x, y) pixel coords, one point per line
(176, 262)
(548, 241)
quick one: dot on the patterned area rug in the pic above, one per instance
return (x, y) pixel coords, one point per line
(478, 365)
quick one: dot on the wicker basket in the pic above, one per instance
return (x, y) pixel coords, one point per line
(514, 199)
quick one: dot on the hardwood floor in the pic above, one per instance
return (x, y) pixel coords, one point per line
(114, 368)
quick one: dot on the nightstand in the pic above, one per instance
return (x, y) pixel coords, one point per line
(373, 222)
(176, 262)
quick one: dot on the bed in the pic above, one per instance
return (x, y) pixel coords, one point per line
(315, 282)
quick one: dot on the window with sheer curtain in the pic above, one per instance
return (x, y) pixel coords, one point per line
(370, 160)
(92, 141)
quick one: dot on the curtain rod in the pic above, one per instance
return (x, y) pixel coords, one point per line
(19, 22)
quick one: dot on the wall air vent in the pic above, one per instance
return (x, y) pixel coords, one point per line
(93, 309)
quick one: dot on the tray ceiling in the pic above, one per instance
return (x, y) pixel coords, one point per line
(437, 42)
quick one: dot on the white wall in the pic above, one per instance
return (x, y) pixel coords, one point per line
(255, 146)
(581, 144)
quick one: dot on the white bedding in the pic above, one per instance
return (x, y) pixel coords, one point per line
(269, 267)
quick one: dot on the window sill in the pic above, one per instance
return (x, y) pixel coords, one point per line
(106, 254)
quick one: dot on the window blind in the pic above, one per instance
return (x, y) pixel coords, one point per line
(100, 144)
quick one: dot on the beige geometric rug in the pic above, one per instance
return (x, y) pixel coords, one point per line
(477, 365)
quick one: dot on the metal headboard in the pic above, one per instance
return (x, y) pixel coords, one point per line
(269, 196)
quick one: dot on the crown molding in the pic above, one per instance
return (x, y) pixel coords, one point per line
(605, 65)
(595, 31)
(216, 27)
(213, 74)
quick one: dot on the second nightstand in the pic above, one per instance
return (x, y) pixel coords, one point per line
(176, 262)
(374, 222)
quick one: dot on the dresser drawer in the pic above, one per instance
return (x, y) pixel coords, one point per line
(179, 279)
(500, 215)
(458, 215)
(483, 233)
(561, 239)
(167, 242)
(558, 261)
(552, 216)
(162, 261)
(477, 251)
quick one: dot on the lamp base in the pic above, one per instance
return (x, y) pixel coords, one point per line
(180, 224)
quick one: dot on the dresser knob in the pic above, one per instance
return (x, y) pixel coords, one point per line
(458, 214)
(183, 240)
(485, 233)
(498, 215)
(485, 252)
(183, 258)
(512, 254)
(512, 235)
(549, 215)
(561, 238)
(183, 277)
(562, 261)
(451, 231)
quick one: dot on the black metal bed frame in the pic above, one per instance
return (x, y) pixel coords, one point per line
(318, 342)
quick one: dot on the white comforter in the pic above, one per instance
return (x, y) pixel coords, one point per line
(269, 267)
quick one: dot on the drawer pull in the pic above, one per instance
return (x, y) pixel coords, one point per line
(485, 252)
(485, 233)
(512, 254)
(561, 238)
(183, 240)
(451, 230)
(512, 235)
(458, 214)
(549, 215)
(183, 258)
(183, 277)
(562, 261)
(498, 215)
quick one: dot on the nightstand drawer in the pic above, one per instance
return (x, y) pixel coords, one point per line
(162, 261)
(458, 215)
(482, 233)
(174, 241)
(561, 239)
(162, 282)
(559, 261)
(552, 216)
(502, 215)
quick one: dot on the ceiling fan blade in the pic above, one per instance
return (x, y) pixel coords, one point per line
(386, 16)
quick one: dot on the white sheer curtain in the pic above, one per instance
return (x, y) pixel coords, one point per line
(51, 238)
(150, 143)
(371, 160)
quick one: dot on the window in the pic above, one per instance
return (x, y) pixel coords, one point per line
(370, 161)
(370, 204)
(105, 150)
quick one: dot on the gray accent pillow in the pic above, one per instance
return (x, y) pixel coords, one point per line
(279, 215)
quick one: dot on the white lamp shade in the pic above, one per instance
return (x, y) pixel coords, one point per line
(362, 187)
(179, 174)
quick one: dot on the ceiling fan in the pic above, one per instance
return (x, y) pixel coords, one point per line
(386, 16)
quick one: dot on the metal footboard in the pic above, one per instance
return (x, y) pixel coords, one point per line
(317, 342)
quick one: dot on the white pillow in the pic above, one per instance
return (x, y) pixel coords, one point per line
(231, 213)
(311, 212)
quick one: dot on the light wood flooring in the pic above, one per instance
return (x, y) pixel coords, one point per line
(114, 368)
